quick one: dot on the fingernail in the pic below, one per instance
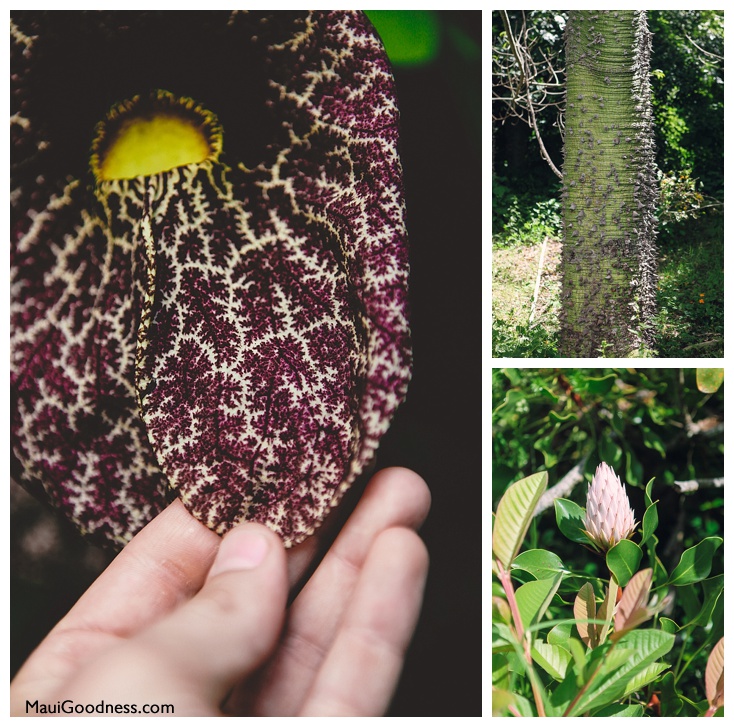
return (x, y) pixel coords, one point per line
(242, 549)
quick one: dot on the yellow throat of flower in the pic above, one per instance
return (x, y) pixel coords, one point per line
(149, 135)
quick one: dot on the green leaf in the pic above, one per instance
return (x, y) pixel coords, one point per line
(688, 599)
(670, 703)
(546, 447)
(652, 440)
(620, 710)
(623, 560)
(514, 512)
(634, 469)
(560, 634)
(717, 620)
(502, 637)
(539, 563)
(606, 610)
(648, 493)
(600, 386)
(500, 671)
(695, 563)
(555, 416)
(570, 520)
(668, 625)
(410, 37)
(644, 647)
(645, 676)
(610, 452)
(713, 589)
(534, 598)
(709, 380)
(552, 658)
(649, 523)
(660, 575)
(512, 398)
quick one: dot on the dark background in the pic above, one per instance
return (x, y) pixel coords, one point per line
(437, 430)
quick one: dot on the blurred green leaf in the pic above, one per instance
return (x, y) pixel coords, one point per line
(652, 440)
(610, 452)
(634, 469)
(670, 704)
(500, 671)
(410, 37)
(601, 385)
(620, 710)
(709, 380)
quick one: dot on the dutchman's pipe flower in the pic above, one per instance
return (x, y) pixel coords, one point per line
(212, 303)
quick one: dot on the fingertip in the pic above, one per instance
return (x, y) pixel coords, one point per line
(405, 486)
(246, 547)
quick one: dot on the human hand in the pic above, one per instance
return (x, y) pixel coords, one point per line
(182, 617)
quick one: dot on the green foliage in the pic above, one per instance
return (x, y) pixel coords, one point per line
(691, 289)
(679, 197)
(525, 218)
(688, 93)
(521, 341)
(540, 667)
(646, 423)
(411, 37)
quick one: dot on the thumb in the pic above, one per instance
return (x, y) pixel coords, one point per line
(233, 623)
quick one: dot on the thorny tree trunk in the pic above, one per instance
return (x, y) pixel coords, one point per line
(609, 186)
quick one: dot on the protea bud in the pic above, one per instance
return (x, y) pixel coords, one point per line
(609, 517)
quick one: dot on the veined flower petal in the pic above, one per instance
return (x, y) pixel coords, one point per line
(231, 330)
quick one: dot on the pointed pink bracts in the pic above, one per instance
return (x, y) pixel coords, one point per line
(609, 516)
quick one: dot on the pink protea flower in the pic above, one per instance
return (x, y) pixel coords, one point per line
(609, 517)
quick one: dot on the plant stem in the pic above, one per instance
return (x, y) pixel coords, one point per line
(506, 582)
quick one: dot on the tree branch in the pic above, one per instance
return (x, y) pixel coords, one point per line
(525, 78)
(564, 487)
(693, 485)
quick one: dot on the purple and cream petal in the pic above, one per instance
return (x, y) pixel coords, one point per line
(234, 335)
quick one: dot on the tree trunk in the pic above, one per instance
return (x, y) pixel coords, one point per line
(609, 187)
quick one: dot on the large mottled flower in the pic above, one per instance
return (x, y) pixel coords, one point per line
(208, 266)
(609, 517)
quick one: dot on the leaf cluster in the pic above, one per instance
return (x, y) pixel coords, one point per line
(562, 648)
(645, 423)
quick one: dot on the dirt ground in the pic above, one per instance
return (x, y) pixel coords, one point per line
(514, 273)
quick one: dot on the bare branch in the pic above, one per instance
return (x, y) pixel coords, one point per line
(705, 52)
(522, 76)
(693, 485)
(563, 488)
(522, 61)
